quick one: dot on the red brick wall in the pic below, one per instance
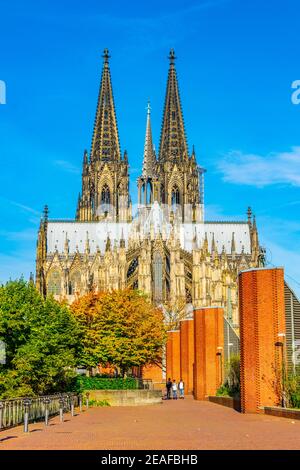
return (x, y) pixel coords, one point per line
(262, 317)
(152, 372)
(208, 336)
(187, 353)
(173, 355)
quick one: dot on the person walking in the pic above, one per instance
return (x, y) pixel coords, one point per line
(169, 386)
(174, 389)
(181, 388)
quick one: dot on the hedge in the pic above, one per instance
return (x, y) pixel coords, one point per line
(83, 382)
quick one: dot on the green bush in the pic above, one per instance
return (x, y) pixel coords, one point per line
(99, 403)
(231, 384)
(292, 389)
(223, 391)
(82, 383)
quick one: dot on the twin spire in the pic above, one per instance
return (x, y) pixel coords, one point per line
(173, 143)
(105, 141)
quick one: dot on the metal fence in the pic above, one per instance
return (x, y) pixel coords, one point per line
(16, 411)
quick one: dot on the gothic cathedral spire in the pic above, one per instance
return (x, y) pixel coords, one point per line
(149, 155)
(105, 142)
(105, 179)
(173, 143)
(147, 182)
(177, 173)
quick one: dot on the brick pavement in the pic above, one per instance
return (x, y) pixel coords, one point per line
(178, 425)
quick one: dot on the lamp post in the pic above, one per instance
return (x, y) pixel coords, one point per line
(219, 354)
(281, 344)
(61, 409)
(46, 403)
(26, 403)
(72, 404)
(87, 400)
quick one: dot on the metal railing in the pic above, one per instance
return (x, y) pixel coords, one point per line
(25, 410)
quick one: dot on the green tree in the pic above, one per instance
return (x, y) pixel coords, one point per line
(42, 341)
(121, 328)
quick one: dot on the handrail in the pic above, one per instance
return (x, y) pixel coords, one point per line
(12, 411)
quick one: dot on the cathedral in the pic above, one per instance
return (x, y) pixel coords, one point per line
(166, 248)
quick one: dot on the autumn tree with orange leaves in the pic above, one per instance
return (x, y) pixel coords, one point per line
(121, 328)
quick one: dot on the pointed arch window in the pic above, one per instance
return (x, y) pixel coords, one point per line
(75, 283)
(158, 277)
(105, 195)
(148, 192)
(132, 267)
(175, 198)
(162, 194)
(54, 283)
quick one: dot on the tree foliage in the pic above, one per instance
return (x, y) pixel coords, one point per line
(41, 339)
(120, 328)
(174, 312)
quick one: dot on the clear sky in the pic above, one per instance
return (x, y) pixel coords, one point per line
(236, 62)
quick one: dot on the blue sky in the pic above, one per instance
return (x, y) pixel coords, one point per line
(236, 63)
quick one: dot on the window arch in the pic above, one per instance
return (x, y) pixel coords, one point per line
(75, 283)
(132, 267)
(162, 194)
(54, 283)
(148, 192)
(158, 275)
(175, 197)
(105, 195)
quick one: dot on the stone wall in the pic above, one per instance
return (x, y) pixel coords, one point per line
(127, 397)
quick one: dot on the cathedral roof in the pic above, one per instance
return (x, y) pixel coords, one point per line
(78, 232)
(222, 233)
(97, 233)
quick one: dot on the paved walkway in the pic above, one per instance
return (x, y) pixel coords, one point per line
(185, 424)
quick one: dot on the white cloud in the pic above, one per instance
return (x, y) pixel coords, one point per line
(260, 171)
(23, 207)
(67, 166)
(28, 234)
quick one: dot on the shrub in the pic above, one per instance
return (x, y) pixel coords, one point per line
(231, 384)
(82, 383)
(292, 390)
(99, 403)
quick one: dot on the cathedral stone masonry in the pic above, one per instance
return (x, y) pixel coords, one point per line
(167, 249)
(262, 335)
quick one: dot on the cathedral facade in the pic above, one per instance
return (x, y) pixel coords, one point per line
(166, 249)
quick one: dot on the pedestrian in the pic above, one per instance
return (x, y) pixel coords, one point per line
(181, 388)
(169, 386)
(174, 389)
